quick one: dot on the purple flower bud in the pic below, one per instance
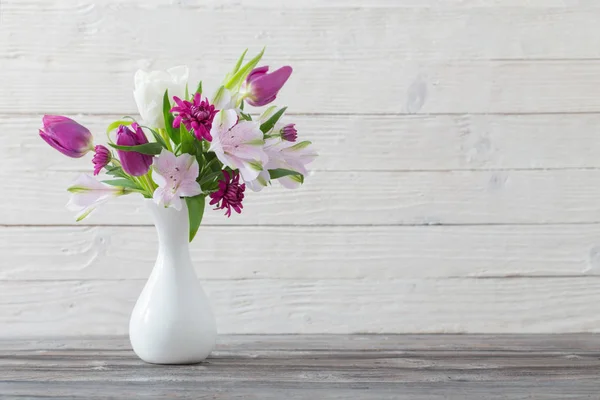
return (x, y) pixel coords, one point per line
(134, 163)
(101, 158)
(66, 136)
(263, 87)
(289, 133)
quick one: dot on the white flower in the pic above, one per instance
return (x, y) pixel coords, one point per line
(150, 88)
(238, 145)
(87, 193)
(285, 155)
(175, 177)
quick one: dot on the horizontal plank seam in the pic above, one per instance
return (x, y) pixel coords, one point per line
(425, 225)
(305, 280)
(378, 171)
(358, 114)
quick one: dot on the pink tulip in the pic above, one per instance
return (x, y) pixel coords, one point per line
(67, 136)
(262, 87)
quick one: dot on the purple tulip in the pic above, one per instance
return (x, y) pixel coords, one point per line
(262, 87)
(66, 136)
(134, 163)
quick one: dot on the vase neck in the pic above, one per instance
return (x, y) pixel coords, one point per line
(172, 227)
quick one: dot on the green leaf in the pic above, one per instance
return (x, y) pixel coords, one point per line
(187, 92)
(239, 62)
(168, 117)
(152, 148)
(123, 183)
(115, 171)
(300, 145)
(118, 123)
(220, 92)
(268, 113)
(157, 137)
(270, 123)
(245, 116)
(210, 177)
(199, 88)
(236, 80)
(195, 212)
(281, 172)
(187, 141)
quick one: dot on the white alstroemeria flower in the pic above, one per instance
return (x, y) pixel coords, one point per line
(150, 88)
(87, 193)
(285, 155)
(175, 177)
(238, 144)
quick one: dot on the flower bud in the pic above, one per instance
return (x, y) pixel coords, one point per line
(67, 136)
(289, 133)
(101, 158)
(262, 87)
(134, 163)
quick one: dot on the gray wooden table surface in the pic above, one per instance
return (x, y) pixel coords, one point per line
(313, 367)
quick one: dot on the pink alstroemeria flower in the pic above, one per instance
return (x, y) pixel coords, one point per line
(67, 136)
(175, 177)
(238, 144)
(87, 193)
(285, 155)
(262, 87)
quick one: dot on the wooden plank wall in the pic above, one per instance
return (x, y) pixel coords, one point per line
(457, 188)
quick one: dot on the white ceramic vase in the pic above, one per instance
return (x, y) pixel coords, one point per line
(172, 321)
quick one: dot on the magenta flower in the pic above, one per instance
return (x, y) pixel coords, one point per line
(134, 163)
(289, 133)
(197, 116)
(101, 158)
(230, 193)
(67, 136)
(262, 88)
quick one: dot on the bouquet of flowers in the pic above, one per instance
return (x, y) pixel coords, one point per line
(188, 146)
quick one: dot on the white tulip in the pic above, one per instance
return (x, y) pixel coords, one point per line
(150, 88)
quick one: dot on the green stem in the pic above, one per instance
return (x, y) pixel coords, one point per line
(141, 182)
(151, 184)
(167, 139)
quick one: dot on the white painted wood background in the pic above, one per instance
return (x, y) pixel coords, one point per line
(458, 188)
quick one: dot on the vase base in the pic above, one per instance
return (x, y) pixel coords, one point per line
(190, 362)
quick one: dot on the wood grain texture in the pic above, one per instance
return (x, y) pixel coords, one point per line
(476, 115)
(526, 305)
(377, 143)
(323, 367)
(339, 87)
(349, 198)
(398, 30)
(308, 253)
